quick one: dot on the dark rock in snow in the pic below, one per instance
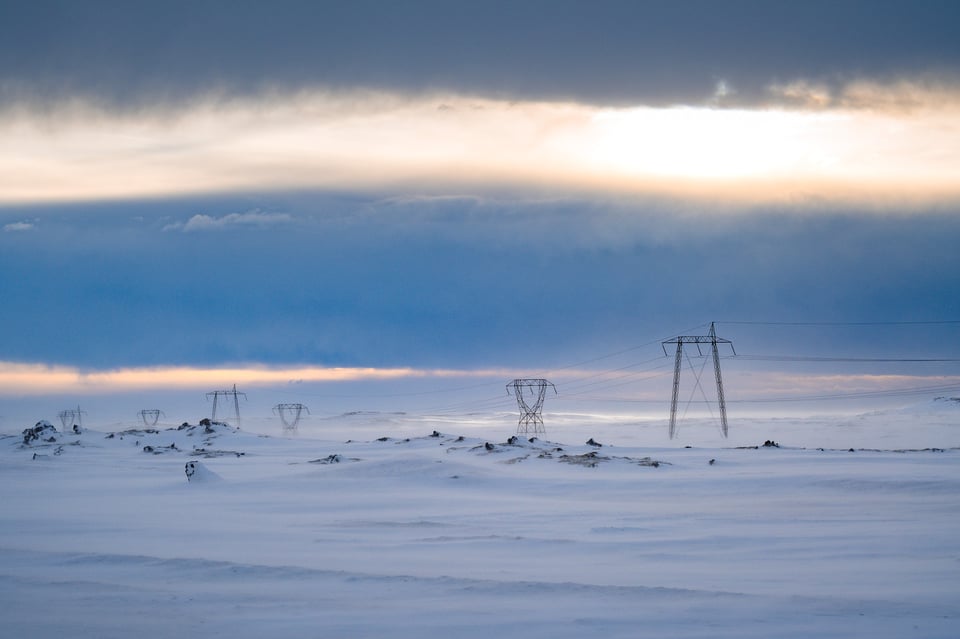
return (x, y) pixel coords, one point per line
(512, 440)
(435, 434)
(712, 462)
(590, 460)
(43, 430)
(590, 442)
(489, 446)
(771, 444)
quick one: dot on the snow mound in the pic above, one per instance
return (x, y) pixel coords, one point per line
(197, 472)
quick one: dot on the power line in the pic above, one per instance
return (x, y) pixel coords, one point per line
(892, 392)
(905, 323)
(921, 390)
(621, 352)
(810, 358)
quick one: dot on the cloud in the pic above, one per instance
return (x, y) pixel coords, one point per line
(377, 142)
(802, 94)
(18, 378)
(145, 54)
(16, 227)
(921, 95)
(258, 219)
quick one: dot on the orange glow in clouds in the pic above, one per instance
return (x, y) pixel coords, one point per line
(38, 379)
(873, 147)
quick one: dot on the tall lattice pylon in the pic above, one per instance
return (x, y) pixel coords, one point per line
(530, 394)
(713, 341)
(216, 395)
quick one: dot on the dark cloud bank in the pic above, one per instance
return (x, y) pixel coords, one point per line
(611, 52)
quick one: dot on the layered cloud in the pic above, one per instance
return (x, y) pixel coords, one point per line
(899, 141)
(255, 219)
(38, 379)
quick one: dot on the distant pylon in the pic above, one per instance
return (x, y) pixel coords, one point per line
(66, 418)
(294, 411)
(227, 393)
(712, 340)
(150, 416)
(71, 417)
(531, 419)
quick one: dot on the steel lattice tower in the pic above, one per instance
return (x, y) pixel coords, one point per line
(294, 410)
(713, 341)
(71, 417)
(227, 393)
(531, 419)
(66, 418)
(150, 416)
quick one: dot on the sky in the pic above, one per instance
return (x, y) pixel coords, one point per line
(404, 198)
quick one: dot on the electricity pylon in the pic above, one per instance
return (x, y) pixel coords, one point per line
(531, 419)
(66, 418)
(217, 394)
(150, 416)
(294, 410)
(71, 417)
(712, 340)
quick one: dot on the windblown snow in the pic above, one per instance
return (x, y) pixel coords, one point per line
(416, 527)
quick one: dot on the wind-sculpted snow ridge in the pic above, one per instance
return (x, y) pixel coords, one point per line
(216, 439)
(518, 449)
(207, 439)
(247, 600)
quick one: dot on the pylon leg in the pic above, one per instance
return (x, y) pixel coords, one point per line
(678, 360)
(720, 399)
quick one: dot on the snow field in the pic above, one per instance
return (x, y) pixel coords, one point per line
(422, 536)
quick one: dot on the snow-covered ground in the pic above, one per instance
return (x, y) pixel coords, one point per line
(427, 527)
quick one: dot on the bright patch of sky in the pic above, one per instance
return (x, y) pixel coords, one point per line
(900, 141)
